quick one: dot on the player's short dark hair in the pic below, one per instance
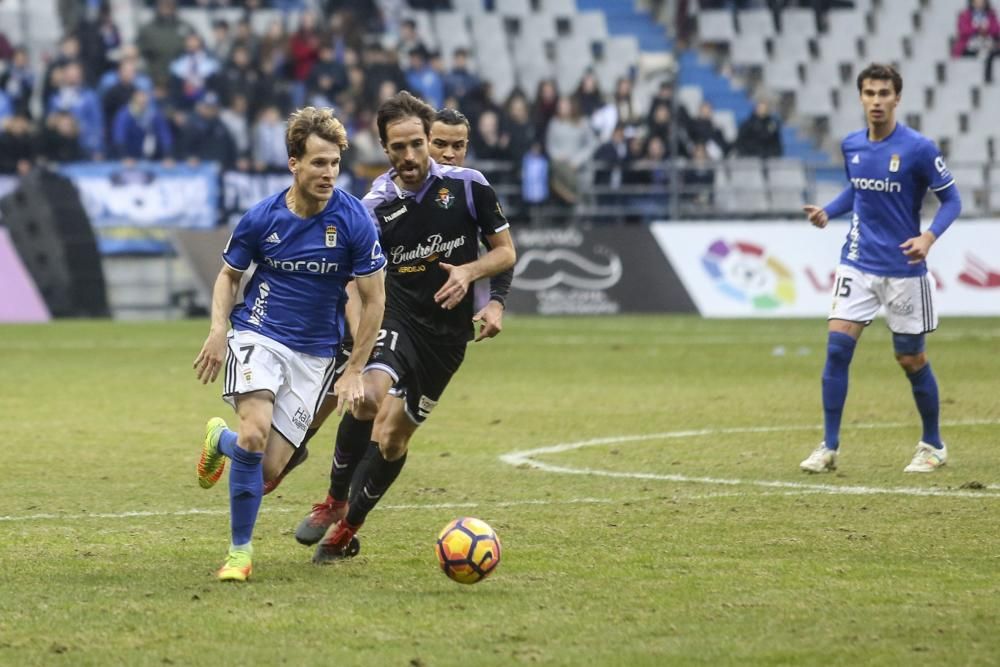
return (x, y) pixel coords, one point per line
(881, 72)
(312, 120)
(403, 105)
(450, 116)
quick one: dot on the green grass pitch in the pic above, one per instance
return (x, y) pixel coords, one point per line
(672, 525)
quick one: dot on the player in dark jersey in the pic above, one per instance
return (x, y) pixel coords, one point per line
(889, 169)
(430, 219)
(307, 242)
(449, 143)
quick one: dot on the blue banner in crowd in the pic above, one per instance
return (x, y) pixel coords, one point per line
(133, 207)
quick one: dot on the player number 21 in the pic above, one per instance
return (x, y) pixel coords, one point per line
(382, 333)
(843, 286)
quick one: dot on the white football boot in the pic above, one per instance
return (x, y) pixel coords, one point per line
(822, 459)
(927, 458)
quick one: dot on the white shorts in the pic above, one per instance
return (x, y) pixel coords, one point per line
(909, 302)
(298, 381)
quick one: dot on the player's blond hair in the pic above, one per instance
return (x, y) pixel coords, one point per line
(312, 120)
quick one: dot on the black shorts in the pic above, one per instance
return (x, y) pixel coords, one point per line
(420, 368)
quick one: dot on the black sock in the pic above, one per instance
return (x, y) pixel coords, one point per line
(361, 471)
(381, 475)
(353, 436)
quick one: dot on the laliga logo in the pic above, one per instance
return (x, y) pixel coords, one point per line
(978, 274)
(539, 270)
(744, 272)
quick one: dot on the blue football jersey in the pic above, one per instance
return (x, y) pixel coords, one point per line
(890, 179)
(296, 294)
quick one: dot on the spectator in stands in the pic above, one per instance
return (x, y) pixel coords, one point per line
(665, 96)
(409, 40)
(546, 101)
(222, 40)
(203, 137)
(131, 58)
(569, 143)
(162, 40)
(69, 51)
(84, 105)
(328, 77)
(18, 81)
(624, 103)
(423, 81)
(673, 135)
(140, 131)
(611, 160)
(272, 89)
(703, 130)
(269, 151)
(245, 37)
(588, 94)
(460, 80)
(381, 65)
(760, 134)
(6, 106)
(978, 34)
(303, 47)
(61, 139)
(518, 126)
(274, 46)
(100, 42)
(120, 93)
(699, 180)
(535, 177)
(488, 142)
(17, 145)
(193, 73)
(234, 117)
(238, 75)
(653, 171)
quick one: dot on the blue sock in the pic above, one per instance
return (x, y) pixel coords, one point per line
(246, 488)
(839, 351)
(227, 442)
(925, 393)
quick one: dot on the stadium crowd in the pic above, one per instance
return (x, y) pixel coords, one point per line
(175, 95)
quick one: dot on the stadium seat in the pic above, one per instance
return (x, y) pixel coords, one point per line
(795, 20)
(814, 99)
(557, 7)
(748, 191)
(716, 26)
(514, 8)
(994, 189)
(758, 22)
(726, 122)
(690, 97)
(452, 30)
(590, 26)
(748, 49)
(473, 7)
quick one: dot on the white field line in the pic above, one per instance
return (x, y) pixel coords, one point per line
(527, 458)
(408, 507)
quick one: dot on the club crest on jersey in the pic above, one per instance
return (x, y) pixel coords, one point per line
(894, 163)
(444, 198)
(331, 236)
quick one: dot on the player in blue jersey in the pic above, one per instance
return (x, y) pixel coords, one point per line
(430, 219)
(889, 167)
(306, 243)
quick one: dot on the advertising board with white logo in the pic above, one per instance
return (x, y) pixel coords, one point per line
(786, 269)
(602, 271)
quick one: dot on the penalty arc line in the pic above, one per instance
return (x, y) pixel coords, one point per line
(527, 458)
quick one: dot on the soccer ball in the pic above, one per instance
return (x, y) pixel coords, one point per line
(468, 550)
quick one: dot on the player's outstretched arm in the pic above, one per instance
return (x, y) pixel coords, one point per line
(350, 388)
(842, 204)
(209, 361)
(500, 257)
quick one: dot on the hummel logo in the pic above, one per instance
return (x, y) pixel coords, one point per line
(856, 160)
(273, 238)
